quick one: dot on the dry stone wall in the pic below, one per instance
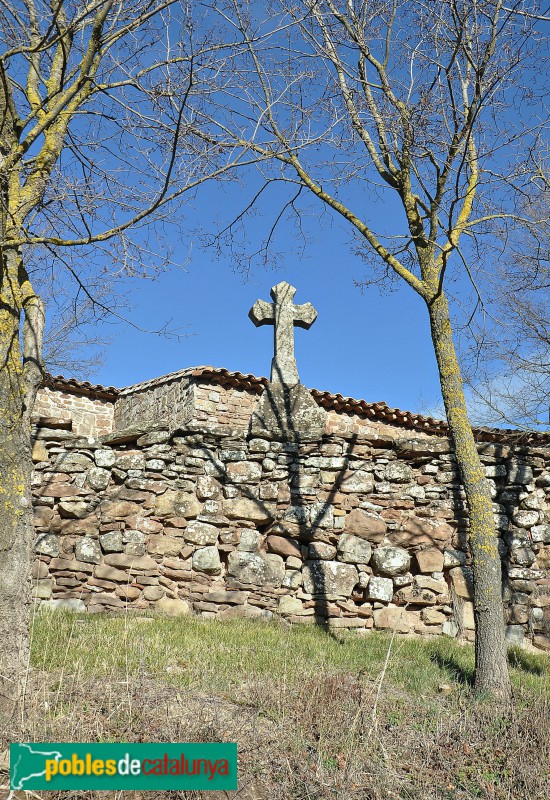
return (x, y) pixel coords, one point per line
(359, 530)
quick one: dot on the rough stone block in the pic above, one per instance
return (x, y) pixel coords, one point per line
(105, 600)
(330, 579)
(74, 508)
(130, 460)
(256, 569)
(380, 589)
(450, 628)
(322, 550)
(201, 533)
(249, 540)
(177, 504)
(98, 478)
(68, 604)
(354, 550)
(543, 557)
(134, 542)
(526, 519)
(47, 544)
(42, 516)
(208, 488)
(432, 616)
(42, 589)
(520, 473)
(283, 546)
(246, 611)
(290, 605)
(495, 471)
(153, 437)
(356, 482)
(173, 607)
(243, 472)
(153, 593)
(432, 584)
(106, 573)
(462, 582)
(290, 412)
(128, 592)
(518, 615)
(453, 558)
(292, 579)
(542, 642)
(421, 448)
(416, 531)
(164, 545)
(222, 596)
(365, 525)
(39, 570)
(416, 596)
(430, 560)
(88, 550)
(207, 559)
(346, 622)
(397, 472)
(105, 457)
(391, 560)
(245, 508)
(113, 510)
(39, 452)
(127, 561)
(394, 619)
(465, 616)
(72, 462)
(111, 542)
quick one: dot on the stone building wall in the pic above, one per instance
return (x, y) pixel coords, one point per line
(167, 399)
(179, 399)
(361, 530)
(223, 405)
(90, 416)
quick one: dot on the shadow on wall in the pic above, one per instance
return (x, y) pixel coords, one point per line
(357, 555)
(357, 532)
(334, 542)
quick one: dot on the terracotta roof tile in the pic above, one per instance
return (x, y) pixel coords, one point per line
(73, 386)
(220, 375)
(376, 411)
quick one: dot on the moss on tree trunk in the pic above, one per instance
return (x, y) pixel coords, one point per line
(16, 523)
(491, 672)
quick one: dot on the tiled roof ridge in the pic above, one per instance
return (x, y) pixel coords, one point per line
(74, 386)
(220, 373)
(379, 411)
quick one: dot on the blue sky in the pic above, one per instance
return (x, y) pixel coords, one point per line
(364, 344)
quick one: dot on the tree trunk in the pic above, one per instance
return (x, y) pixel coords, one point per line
(16, 523)
(491, 670)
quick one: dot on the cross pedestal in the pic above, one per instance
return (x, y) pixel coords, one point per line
(286, 407)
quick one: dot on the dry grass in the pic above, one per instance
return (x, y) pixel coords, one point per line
(301, 704)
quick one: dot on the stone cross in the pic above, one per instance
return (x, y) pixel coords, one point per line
(283, 315)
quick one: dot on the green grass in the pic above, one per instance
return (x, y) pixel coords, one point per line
(219, 657)
(316, 715)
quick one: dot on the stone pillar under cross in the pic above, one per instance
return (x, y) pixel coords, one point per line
(283, 314)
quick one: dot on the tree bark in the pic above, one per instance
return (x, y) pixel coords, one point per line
(491, 667)
(16, 522)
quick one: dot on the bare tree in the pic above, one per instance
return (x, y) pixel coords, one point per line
(411, 104)
(98, 104)
(507, 357)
